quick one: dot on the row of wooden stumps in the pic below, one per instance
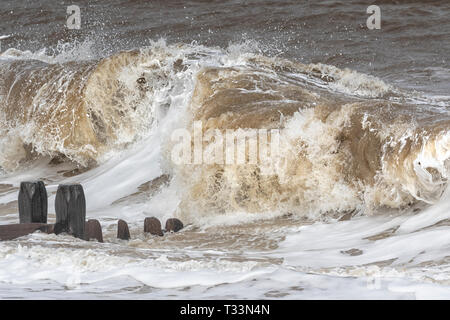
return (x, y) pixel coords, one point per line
(70, 208)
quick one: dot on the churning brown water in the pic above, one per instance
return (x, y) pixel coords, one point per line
(360, 191)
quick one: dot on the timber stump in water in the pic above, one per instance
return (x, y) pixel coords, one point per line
(122, 230)
(93, 230)
(13, 231)
(32, 202)
(153, 226)
(174, 224)
(70, 206)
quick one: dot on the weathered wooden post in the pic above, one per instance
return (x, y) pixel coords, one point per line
(70, 206)
(153, 226)
(33, 203)
(122, 230)
(174, 224)
(13, 231)
(93, 230)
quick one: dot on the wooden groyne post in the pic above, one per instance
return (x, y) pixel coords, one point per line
(123, 232)
(70, 207)
(33, 203)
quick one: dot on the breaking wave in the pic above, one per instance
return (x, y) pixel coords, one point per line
(350, 142)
